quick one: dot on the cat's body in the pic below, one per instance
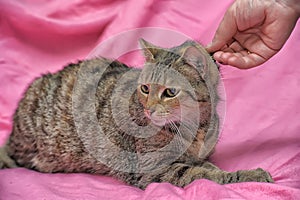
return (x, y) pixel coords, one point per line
(141, 126)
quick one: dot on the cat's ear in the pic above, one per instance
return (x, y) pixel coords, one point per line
(150, 51)
(195, 57)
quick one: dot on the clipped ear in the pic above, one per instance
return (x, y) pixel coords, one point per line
(194, 57)
(150, 50)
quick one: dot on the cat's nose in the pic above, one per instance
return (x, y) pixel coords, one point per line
(150, 111)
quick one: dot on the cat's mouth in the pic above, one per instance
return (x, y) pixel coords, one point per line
(159, 122)
(157, 119)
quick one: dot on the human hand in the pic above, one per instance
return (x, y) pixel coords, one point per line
(252, 31)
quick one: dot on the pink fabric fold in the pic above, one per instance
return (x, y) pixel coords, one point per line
(261, 127)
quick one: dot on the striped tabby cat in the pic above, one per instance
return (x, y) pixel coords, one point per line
(158, 124)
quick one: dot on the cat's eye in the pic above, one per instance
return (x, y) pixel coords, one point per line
(145, 89)
(171, 92)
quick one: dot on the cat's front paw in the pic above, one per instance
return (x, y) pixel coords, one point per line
(257, 175)
(5, 160)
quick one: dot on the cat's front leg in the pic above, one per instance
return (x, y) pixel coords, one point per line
(209, 171)
(181, 174)
(5, 160)
(256, 175)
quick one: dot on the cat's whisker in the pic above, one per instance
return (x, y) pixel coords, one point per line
(190, 129)
(189, 124)
(180, 142)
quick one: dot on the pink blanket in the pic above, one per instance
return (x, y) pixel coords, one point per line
(262, 122)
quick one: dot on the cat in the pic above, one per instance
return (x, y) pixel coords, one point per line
(156, 124)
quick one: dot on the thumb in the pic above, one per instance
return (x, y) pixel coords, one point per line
(225, 32)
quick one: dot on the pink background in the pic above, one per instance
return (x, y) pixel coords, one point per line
(261, 127)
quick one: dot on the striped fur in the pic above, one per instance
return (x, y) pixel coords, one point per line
(45, 137)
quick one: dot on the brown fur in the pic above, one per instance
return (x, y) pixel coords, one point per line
(92, 117)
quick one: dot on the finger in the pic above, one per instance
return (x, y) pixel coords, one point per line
(255, 44)
(236, 47)
(226, 48)
(224, 33)
(242, 60)
(246, 62)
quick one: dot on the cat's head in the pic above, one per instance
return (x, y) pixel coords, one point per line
(172, 85)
